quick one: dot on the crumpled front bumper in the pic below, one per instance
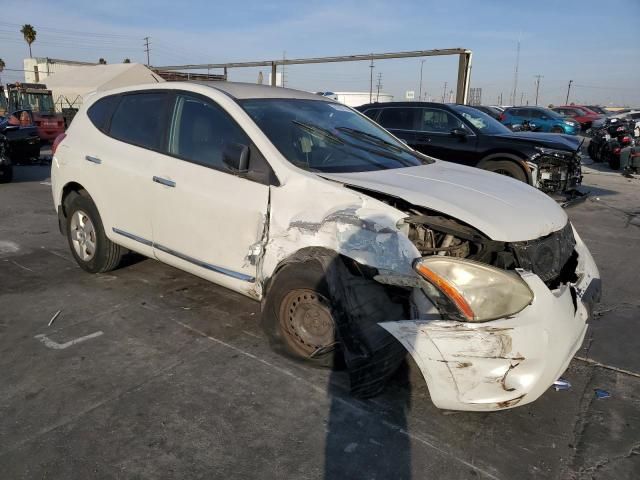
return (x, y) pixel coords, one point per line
(507, 362)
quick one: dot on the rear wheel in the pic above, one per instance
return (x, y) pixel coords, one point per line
(507, 168)
(90, 247)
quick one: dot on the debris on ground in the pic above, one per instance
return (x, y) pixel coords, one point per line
(601, 393)
(53, 318)
(561, 384)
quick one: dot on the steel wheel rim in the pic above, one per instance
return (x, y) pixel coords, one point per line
(306, 321)
(83, 236)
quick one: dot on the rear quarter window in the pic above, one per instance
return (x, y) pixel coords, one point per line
(100, 112)
(140, 119)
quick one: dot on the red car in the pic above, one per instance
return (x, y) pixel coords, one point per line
(580, 114)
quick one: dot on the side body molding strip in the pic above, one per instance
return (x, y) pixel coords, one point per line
(187, 258)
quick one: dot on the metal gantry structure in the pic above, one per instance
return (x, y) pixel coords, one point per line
(464, 64)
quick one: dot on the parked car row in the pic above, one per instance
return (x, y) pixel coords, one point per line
(465, 135)
(19, 142)
(359, 248)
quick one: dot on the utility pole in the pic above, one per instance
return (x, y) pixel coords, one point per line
(420, 89)
(538, 77)
(500, 99)
(521, 98)
(371, 82)
(379, 86)
(444, 92)
(146, 48)
(515, 77)
(568, 90)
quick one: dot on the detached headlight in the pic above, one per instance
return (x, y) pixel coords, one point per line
(479, 292)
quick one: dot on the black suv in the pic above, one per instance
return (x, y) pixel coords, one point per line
(463, 134)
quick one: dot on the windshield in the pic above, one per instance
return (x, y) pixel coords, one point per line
(38, 102)
(483, 122)
(328, 137)
(551, 114)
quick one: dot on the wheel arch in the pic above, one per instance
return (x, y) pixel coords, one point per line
(503, 155)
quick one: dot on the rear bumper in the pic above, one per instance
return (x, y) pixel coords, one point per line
(507, 362)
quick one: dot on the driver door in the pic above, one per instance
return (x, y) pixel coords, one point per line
(205, 217)
(434, 137)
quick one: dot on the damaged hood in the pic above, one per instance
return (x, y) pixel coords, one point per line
(502, 208)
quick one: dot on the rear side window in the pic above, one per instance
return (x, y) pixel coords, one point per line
(514, 112)
(100, 112)
(398, 118)
(139, 119)
(200, 131)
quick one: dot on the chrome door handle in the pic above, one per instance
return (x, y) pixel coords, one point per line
(91, 159)
(164, 181)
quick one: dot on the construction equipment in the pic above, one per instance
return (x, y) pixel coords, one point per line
(39, 100)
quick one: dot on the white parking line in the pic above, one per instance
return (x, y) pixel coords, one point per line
(61, 346)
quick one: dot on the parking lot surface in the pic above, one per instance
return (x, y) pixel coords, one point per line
(149, 372)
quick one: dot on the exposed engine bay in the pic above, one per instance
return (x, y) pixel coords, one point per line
(556, 173)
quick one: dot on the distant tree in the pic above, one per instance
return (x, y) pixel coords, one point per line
(29, 34)
(550, 105)
(102, 61)
(126, 60)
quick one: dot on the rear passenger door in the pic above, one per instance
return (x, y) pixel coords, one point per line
(206, 218)
(401, 121)
(121, 163)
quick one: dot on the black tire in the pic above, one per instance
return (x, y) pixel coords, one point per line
(6, 174)
(300, 281)
(557, 129)
(614, 161)
(106, 255)
(507, 168)
(591, 151)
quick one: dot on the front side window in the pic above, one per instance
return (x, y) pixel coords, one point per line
(139, 119)
(200, 131)
(372, 113)
(322, 136)
(439, 121)
(398, 118)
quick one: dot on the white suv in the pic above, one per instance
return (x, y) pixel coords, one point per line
(357, 246)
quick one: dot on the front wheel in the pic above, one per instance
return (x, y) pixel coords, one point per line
(507, 168)
(90, 247)
(557, 129)
(298, 317)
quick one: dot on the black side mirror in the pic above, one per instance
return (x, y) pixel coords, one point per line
(459, 132)
(236, 157)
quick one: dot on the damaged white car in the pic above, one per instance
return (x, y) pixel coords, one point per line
(359, 248)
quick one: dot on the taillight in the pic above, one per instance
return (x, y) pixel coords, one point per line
(501, 117)
(626, 140)
(56, 142)
(616, 151)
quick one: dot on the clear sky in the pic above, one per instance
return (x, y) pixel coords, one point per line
(596, 44)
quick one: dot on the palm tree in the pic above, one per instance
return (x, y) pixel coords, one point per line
(29, 34)
(102, 61)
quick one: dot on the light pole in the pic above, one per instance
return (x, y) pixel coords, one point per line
(568, 91)
(420, 89)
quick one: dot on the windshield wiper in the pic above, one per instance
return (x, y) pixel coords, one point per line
(377, 140)
(323, 132)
